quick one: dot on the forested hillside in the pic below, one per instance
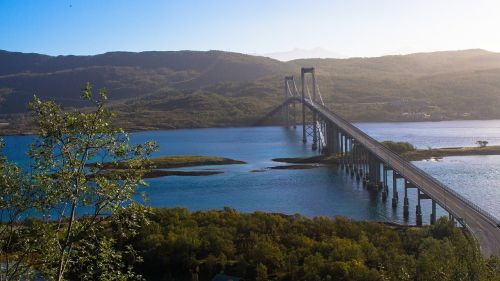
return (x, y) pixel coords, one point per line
(215, 88)
(179, 245)
(124, 74)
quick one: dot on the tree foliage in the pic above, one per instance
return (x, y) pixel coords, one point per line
(482, 143)
(18, 243)
(400, 146)
(73, 199)
(262, 246)
(68, 157)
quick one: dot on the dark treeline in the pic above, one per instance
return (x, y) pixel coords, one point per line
(180, 245)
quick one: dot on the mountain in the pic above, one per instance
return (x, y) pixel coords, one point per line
(445, 85)
(297, 53)
(124, 74)
(151, 90)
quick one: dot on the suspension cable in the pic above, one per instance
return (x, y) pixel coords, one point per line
(307, 88)
(296, 90)
(319, 93)
(288, 89)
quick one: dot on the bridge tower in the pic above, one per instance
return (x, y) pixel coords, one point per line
(290, 92)
(303, 72)
(286, 108)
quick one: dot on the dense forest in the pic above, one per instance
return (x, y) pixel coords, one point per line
(182, 245)
(152, 90)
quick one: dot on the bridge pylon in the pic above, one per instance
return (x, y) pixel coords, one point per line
(303, 72)
(290, 92)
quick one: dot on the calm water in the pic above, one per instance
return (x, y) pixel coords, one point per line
(321, 191)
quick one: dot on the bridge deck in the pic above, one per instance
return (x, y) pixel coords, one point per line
(483, 225)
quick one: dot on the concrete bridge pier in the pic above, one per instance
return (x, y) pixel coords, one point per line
(329, 148)
(350, 156)
(352, 159)
(353, 166)
(333, 146)
(315, 131)
(346, 151)
(345, 156)
(362, 168)
(406, 202)
(422, 195)
(418, 210)
(418, 214)
(395, 195)
(361, 163)
(385, 188)
(322, 130)
(433, 212)
(359, 171)
(378, 174)
(341, 149)
(372, 176)
(366, 168)
(335, 140)
(340, 144)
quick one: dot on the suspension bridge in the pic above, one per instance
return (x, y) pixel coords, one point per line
(371, 163)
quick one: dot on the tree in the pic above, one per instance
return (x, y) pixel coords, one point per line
(399, 147)
(482, 143)
(261, 272)
(69, 161)
(18, 243)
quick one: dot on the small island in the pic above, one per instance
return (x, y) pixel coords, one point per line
(404, 149)
(411, 153)
(423, 154)
(158, 164)
(181, 161)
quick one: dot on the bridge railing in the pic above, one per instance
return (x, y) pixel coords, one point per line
(414, 168)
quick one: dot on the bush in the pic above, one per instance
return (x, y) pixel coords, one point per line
(400, 146)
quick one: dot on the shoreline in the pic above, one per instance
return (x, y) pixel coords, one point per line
(415, 155)
(134, 130)
(439, 153)
(158, 164)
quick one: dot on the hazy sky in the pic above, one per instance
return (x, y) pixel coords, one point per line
(350, 27)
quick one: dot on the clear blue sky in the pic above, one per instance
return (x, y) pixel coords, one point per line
(350, 27)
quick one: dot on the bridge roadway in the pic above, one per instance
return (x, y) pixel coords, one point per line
(483, 225)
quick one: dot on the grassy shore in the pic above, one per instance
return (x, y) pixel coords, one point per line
(410, 155)
(179, 161)
(423, 154)
(170, 162)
